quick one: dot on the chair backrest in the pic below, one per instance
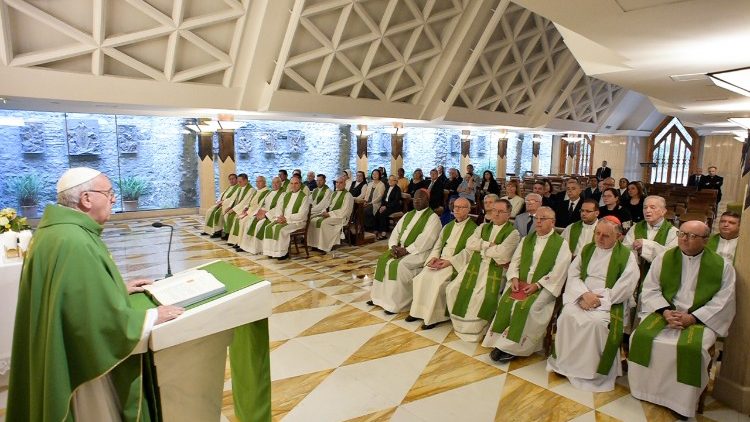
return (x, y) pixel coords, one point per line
(307, 223)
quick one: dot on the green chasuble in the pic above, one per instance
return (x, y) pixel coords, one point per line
(517, 320)
(74, 323)
(261, 196)
(232, 217)
(337, 201)
(661, 235)
(690, 343)
(494, 278)
(273, 229)
(319, 193)
(617, 263)
(284, 185)
(259, 233)
(215, 214)
(404, 240)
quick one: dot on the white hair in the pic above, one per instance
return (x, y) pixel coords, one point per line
(72, 197)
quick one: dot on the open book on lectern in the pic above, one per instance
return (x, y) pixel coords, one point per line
(185, 288)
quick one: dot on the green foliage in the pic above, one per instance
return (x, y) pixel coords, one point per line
(131, 188)
(11, 221)
(26, 188)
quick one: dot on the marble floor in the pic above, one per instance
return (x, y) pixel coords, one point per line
(334, 358)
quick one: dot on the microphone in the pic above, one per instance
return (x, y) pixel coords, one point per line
(158, 225)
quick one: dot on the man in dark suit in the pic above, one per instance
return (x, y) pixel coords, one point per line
(603, 172)
(592, 191)
(695, 179)
(524, 222)
(712, 181)
(569, 210)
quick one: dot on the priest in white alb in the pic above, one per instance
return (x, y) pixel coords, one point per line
(472, 296)
(325, 229)
(725, 241)
(252, 239)
(654, 234)
(289, 215)
(408, 247)
(688, 300)
(245, 215)
(215, 214)
(581, 233)
(443, 263)
(537, 275)
(320, 197)
(601, 278)
(239, 200)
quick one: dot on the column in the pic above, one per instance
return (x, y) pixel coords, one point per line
(570, 159)
(362, 136)
(535, 147)
(206, 171)
(555, 167)
(502, 156)
(397, 152)
(227, 165)
(465, 150)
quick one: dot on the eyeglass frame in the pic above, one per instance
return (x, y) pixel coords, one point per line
(108, 193)
(690, 236)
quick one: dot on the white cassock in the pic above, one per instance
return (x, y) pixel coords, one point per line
(471, 327)
(294, 221)
(582, 335)
(329, 232)
(252, 205)
(252, 240)
(540, 312)
(320, 201)
(726, 248)
(396, 295)
(215, 214)
(97, 400)
(658, 383)
(429, 285)
(586, 237)
(650, 248)
(239, 204)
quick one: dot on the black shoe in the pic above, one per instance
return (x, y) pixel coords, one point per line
(498, 355)
(281, 258)
(410, 319)
(369, 302)
(389, 312)
(225, 237)
(429, 326)
(215, 235)
(204, 234)
(239, 250)
(231, 244)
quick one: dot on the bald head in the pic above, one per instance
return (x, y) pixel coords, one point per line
(421, 200)
(693, 237)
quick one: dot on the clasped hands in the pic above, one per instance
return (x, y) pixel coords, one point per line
(164, 313)
(589, 301)
(281, 220)
(678, 320)
(438, 264)
(398, 251)
(528, 289)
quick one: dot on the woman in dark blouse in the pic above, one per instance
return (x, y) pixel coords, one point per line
(357, 185)
(611, 198)
(489, 185)
(634, 203)
(417, 182)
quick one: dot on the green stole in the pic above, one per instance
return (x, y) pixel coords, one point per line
(617, 263)
(690, 343)
(319, 193)
(713, 242)
(231, 218)
(273, 229)
(661, 235)
(337, 204)
(410, 238)
(215, 214)
(285, 185)
(575, 233)
(494, 278)
(260, 232)
(259, 200)
(516, 319)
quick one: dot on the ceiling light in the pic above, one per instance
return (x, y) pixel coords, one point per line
(737, 80)
(741, 121)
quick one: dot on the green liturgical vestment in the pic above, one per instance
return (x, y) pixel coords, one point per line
(73, 323)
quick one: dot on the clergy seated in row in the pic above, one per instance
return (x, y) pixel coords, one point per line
(725, 241)
(252, 239)
(408, 247)
(581, 233)
(290, 214)
(442, 264)
(524, 222)
(473, 294)
(215, 215)
(536, 277)
(488, 202)
(654, 234)
(238, 202)
(245, 215)
(320, 196)
(601, 279)
(326, 228)
(688, 300)
(284, 177)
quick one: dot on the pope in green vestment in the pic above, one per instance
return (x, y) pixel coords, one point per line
(74, 326)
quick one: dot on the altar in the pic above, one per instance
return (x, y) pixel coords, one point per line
(10, 276)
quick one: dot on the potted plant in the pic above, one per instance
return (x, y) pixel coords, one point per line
(26, 188)
(131, 189)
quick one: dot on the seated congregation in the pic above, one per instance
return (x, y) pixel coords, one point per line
(601, 279)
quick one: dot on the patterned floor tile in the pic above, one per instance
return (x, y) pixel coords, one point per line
(390, 340)
(525, 401)
(344, 318)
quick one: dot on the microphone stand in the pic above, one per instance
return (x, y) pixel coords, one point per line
(169, 248)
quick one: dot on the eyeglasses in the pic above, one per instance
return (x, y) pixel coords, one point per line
(108, 193)
(587, 211)
(690, 236)
(543, 218)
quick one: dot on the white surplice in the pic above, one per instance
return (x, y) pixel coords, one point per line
(294, 221)
(541, 311)
(252, 205)
(249, 241)
(224, 203)
(319, 206)
(429, 285)
(658, 383)
(586, 237)
(396, 295)
(581, 334)
(726, 248)
(329, 233)
(650, 248)
(470, 327)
